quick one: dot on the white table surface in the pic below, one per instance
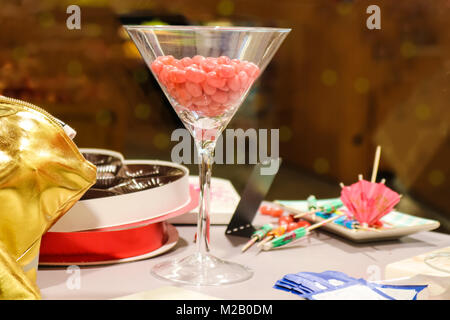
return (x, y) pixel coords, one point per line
(320, 252)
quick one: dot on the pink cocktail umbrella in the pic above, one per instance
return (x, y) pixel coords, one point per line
(368, 201)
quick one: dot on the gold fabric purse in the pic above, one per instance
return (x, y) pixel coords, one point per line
(42, 175)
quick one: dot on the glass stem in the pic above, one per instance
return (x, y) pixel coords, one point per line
(206, 156)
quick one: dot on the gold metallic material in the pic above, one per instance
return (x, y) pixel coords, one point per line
(42, 175)
(14, 282)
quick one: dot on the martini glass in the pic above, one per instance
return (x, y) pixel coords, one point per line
(206, 73)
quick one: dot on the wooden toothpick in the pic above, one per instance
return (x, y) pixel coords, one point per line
(249, 244)
(376, 162)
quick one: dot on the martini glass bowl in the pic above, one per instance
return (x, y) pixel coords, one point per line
(205, 73)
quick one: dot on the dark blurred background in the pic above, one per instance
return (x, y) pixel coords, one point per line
(335, 89)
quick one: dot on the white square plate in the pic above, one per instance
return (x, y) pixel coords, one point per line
(398, 224)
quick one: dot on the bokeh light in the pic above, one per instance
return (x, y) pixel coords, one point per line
(344, 8)
(436, 178)
(329, 77)
(285, 133)
(225, 7)
(104, 117)
(321, 165)
(161, 140)
(46, 19)
(93, 29)
(422, 112)
(142, 111)
(74, 68)
(362, 85)
(408, 49)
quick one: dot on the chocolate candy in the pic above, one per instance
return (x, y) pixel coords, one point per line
(116, 178)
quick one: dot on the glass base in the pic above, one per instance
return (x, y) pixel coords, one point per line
(202, 270)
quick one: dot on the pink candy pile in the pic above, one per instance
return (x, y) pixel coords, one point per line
(208, 86)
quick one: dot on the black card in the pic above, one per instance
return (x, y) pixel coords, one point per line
(254, 193)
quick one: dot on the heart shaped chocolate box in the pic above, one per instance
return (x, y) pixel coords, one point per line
(127, 191)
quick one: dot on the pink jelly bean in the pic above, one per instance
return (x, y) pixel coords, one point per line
(217, 110)
(220, 96)
(186, 61)
(194, 89)
(237, 67)
(234, 83)
(201, 110)
(209, 64)
(251, 69)
(171, 87)
(198, 59)
(208, 112)
(194, 108)
(208, 89)
(214, 80)
(177, 76)
(223, 108)
(177, 63)
(164, 75)
(166, 59)
(183, 94)
(233, 96)
(243, 78)
(195, 75)
(213, 104)
(223, 60)
(157, 66)
(187, 104)
(202, 100)
(225, 71)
